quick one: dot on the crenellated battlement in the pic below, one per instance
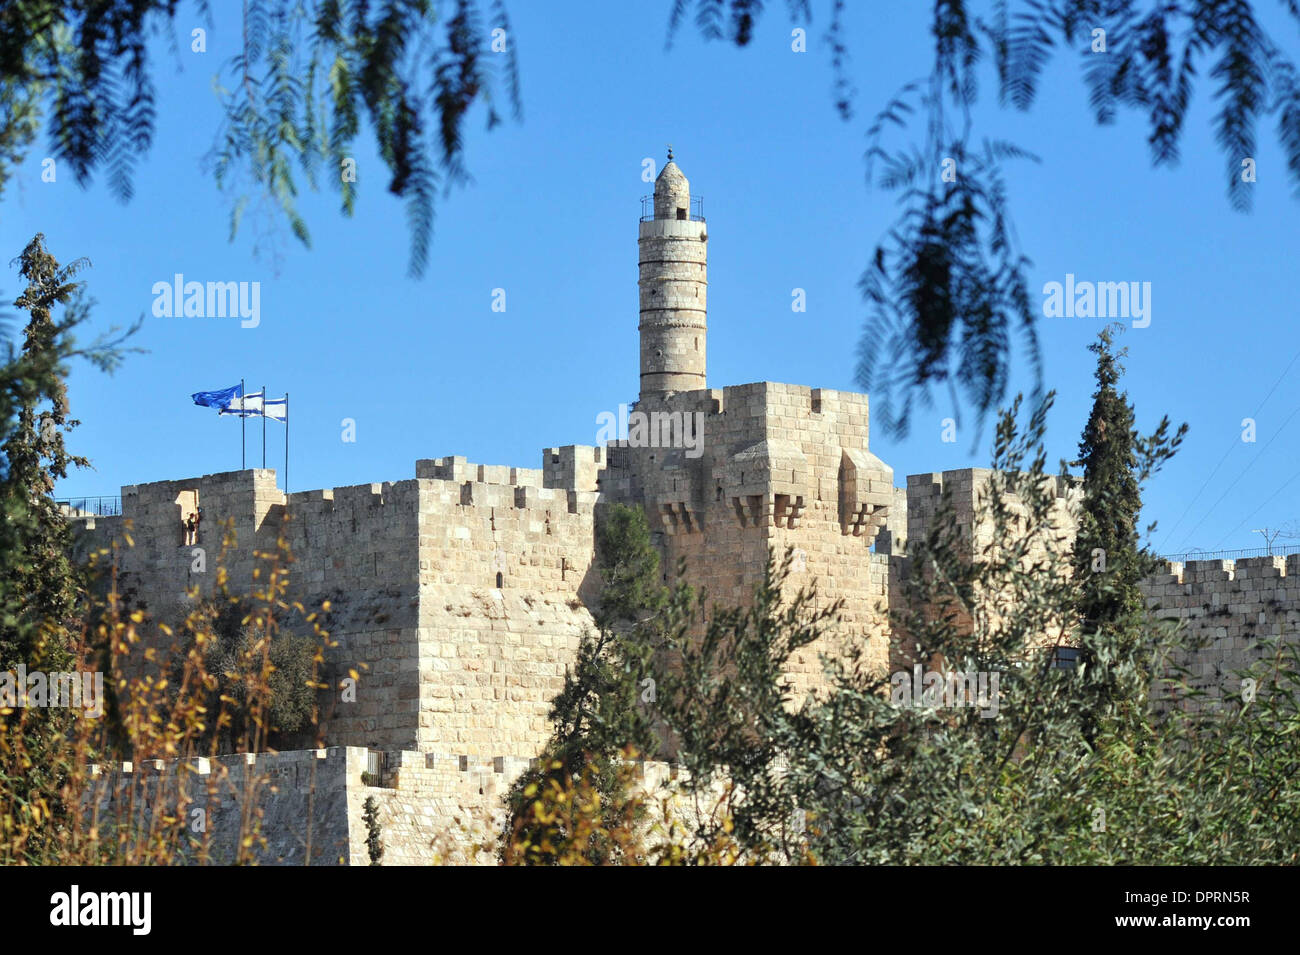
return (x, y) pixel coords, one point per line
(1228, 608)
(1244, 568)
(458, 470)
(374, 769)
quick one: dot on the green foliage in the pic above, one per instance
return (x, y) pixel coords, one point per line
(1050, 773)
(628, 565)
(1116, 461)
(948, 288)
(48, 621)
(38, 588)
(41, 593)
(727, 704)
(236, 651)
(293, 98)
(374, 843)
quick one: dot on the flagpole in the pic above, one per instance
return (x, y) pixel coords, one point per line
(264, 427)
(286, 446)
(242, 442)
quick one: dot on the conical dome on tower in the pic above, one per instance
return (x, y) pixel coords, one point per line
(672, 193)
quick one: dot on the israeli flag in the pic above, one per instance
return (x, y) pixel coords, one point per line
(258, 406)
(218, 399)
(247, 406)
(276, 408)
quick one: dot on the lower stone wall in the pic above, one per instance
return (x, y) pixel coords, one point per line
(435, 809)
(432, 809)
(303, 798)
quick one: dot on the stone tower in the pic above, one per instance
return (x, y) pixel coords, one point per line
(673, 247)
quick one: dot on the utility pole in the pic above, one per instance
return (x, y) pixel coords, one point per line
(1270, 535)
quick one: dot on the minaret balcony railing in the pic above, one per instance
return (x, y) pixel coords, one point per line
(695, 214)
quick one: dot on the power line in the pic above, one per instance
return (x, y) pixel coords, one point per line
(1291, 480)
(1197, 497)
(1248, 466)
(1186, 510)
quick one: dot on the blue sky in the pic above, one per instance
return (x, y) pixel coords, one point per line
(426, 368)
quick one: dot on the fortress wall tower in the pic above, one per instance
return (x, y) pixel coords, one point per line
(463, 591)
(820, 492)
(356, 547)
(1226, 606)
(673, 254)
(158, 568)
(774, 466)
(353, 546)
(505, 576)
(963, 490)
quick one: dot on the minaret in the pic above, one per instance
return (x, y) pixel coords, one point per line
(673, 247)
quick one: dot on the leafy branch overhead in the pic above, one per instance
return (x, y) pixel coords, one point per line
(947, 286)
(294, 98)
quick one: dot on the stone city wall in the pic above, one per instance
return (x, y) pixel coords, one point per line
(432, 808)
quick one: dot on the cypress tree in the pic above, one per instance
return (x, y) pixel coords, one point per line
(40, 592)
(1108, 559)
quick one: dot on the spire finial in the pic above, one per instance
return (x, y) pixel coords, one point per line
(670, 152)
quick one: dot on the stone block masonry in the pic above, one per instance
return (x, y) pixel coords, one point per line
(463, 592)
(305, 798)
(779, 467)
(505, 578)
(1228, 608)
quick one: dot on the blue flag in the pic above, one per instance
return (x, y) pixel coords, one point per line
(218, 399)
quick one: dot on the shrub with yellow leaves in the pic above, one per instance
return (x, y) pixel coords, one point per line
(202, 696)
